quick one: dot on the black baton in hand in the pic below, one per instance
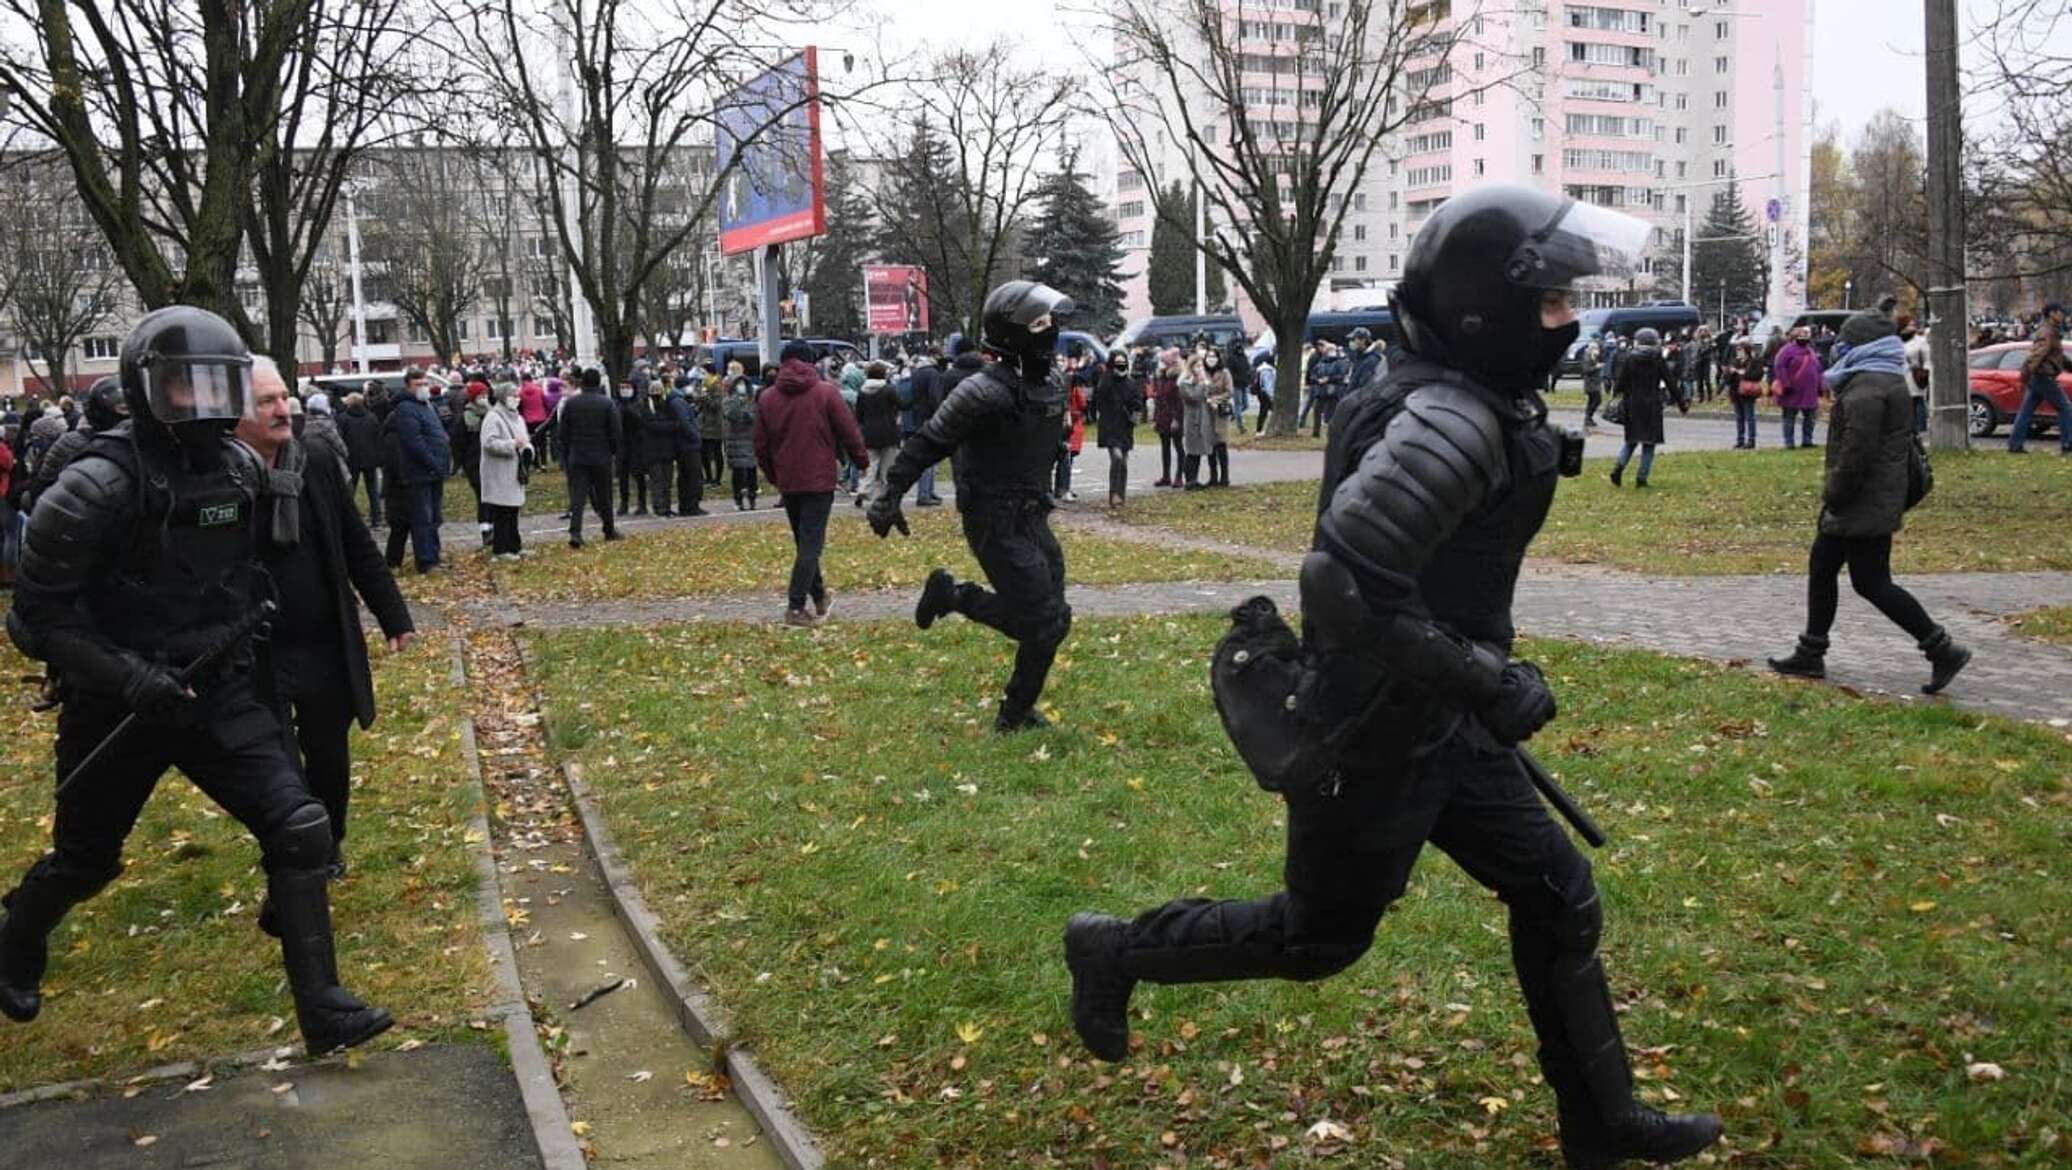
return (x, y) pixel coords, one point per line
(203, 663)
(1570, 811)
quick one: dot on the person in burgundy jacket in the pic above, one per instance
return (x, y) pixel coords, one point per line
(799, 419)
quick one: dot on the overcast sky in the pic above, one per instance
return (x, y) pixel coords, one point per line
(1867, 53)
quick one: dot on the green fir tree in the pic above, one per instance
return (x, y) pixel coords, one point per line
(1729, 247)
(1172, 256)
(1073, 247)
(834, 285)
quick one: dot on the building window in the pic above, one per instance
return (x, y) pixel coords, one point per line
(1129, 181)
(101, 349)
(1683, 203)
(1393, 261)
(1539, 129)
(417, 334)
(1682, 134)
(1359, 264)
(1719, 30)
(1539, 164)
(1359, 232)
(536, 247)
(1130, 210)
(1539, 57)
(1719, 99)
(1392, 229)
(1359, 201)
(1719, 135)
(1479, 129)
(1428, 176)
(1719, 168)
(460, 329)
(1683, 101)
(381, 333)
(1478, 168)
(1683, 67)
(1683, 170)
(1719, 64)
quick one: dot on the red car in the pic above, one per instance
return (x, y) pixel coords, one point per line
(1996, 389)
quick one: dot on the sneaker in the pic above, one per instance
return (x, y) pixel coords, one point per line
(1071, 497)
(823, 605)
(799, 618)
(1010, 721)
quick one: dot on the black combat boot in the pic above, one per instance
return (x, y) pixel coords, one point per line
(1100, 987)
(938, 597)
(1640, 1134)
(1809, 660)
(1945, 658)
(34, 909)
(1014, 717)
(330, 1016)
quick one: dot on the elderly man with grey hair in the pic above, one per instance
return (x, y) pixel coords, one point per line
(323, 562)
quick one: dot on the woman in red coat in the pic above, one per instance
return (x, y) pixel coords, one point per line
(1167, 412)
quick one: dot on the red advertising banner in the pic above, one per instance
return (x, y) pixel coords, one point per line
(895, 297)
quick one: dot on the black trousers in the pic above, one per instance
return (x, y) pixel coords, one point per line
(744, 486)
(714, 458)
(318, 694)
(633, 473)
(807, 513)
(1022, 561)
(1350, 856)
(1870, 573)
(589, 483)
(661, 475)
(1168, 446)
(398, 505)
(503, 529)
(690, 480)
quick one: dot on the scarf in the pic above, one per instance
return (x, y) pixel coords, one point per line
(284, 491)
(1886, 355)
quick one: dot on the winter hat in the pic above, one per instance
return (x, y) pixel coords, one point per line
(1866, 327)
(796, 351)
(591, 379)
(320, 405)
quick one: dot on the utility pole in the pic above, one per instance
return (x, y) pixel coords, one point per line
(1948, 386)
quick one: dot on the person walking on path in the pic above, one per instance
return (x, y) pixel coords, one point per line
(1168, 416)
(1114, 409)
(2040, 372)
(1644, 384)
(591, 435)
(362, 434)
(930, 386)
(877, 418)
(506, 449)
(1795, 378)
(800, 422)
(426, 458)
(1264, 375)
(1743, 378)
(1870, 446)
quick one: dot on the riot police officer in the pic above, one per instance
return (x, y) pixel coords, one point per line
(1396, 718)
(138, 560)
(1001, 427)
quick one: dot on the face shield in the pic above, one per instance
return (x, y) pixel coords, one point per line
(1040, 308)
(1580, 240)
(198, 388)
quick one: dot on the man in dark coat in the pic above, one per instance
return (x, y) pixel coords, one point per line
(927, 380)
(1643, 384)
(652, 434)
(427, 458)
(320, 557)
(689, 446)
(1870, 448)
(361, 430)
(590, 434)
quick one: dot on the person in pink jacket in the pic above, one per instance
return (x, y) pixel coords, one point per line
(1795, 382)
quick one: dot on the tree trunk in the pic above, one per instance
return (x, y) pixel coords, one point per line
(1289, 355)
(283, 331)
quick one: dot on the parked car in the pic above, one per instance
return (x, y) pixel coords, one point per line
(1070, 341)
(1996, 389)
(337, 386)
(750, 353)
(1334, 327)
(1160, 332)
(1625, 322)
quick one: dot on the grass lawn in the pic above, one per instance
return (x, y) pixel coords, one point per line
(547, 494)
(1711, 512)
(2051, 624)
(1574, 399)
(1821, 909)
(1244, 440)
(168, 964)
(737, 557)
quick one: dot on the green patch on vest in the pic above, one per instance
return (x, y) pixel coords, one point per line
(217, 515)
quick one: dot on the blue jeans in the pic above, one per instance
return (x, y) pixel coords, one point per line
(2041, 390)
(924, 487)
(1807, 429)
(1240, 402)
(426, 501)
(1744, 420)
(1647, 457)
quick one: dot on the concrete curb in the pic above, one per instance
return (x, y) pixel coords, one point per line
(544, 1107)
(704, 1019)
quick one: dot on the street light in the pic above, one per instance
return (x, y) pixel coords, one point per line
(1847, 286)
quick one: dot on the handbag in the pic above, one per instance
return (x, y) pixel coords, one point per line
(1749, 388)
(1615, 414)
(1920, 473)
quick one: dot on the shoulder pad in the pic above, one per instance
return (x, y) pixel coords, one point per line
(74, 520)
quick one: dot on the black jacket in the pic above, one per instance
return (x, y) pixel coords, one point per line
(353, 562)
(877, 413)
(362, 434)
(1870, 437)
(965, 366)
(1113, 408)
(1645, 382)
(928, 392)
(656, 438)
(590, 432)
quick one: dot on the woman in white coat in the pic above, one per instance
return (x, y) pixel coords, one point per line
(505, 445)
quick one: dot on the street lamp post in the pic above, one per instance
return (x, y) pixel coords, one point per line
(352, 244)
(1848, 287)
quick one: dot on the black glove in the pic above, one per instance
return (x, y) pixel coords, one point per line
(884, 516)
(156, 695)
(1522, 704)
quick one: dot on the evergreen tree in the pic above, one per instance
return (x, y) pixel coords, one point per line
(833, 282)
(1172, 256)
(1729, 247)
(921, 221)
(1074, 248)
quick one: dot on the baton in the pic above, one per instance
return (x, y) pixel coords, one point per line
(202, 664)
(1570, 811)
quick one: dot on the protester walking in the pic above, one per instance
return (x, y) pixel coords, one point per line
(877, 417)
(1796, 382)
(930, 386)
(1865, 495)
(591, 435)
(1644, 384)
(507, 453)
(1114, 409)
(712, 401)
(800, 422)
(2040, 372)
(1264, 376)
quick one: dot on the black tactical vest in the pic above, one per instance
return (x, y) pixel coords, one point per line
(1012, 454)
(187, 565)
(1469, 582)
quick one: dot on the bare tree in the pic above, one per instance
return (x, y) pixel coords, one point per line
(963, 171)
(1277, 169)
(60, 283)
(325, 299)
(2020, 177)
(424, 237)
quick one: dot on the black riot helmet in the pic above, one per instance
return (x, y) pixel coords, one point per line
(1020, 321)
(105, 405)
(187, 370)
(1471, 288)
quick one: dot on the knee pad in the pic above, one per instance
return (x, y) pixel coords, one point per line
(1058, 626)
(302, 840)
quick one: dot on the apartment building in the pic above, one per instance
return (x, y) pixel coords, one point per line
(1648, 106)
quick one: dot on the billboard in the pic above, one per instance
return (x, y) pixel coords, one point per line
(895, 298)
(775, 192)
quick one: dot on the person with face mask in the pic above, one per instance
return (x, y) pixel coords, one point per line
(143, 557)
(1645, 383)
(592, 434)
(507, 452)
(738, 417)
(1204, 393)
(654, 440)
(712, 400)
(630, 457)
(1396, 719)
(1000, 427)
(1114, 409)
(425, 458)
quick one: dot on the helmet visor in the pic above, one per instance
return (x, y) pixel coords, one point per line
(189, 389)
(1039, 307)
(1581, 240)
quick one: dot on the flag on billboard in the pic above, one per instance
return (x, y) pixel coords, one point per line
(895, 298)
(771, 124)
